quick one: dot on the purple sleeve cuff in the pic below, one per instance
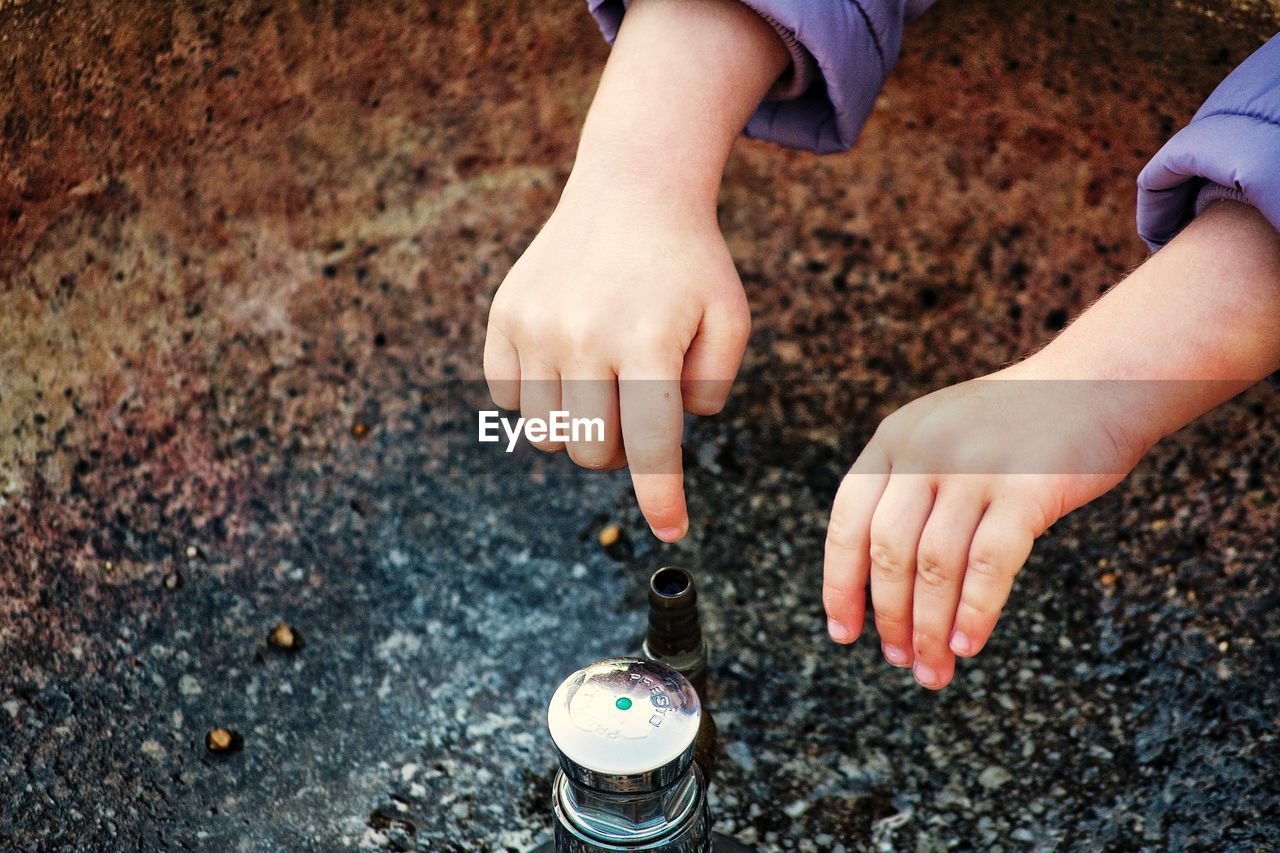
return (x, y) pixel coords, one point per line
(797, 79)
(1209, 193)
(841, 52)
(1230, 149)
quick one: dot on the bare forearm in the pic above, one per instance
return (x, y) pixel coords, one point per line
(1199, 321)
(681, 82)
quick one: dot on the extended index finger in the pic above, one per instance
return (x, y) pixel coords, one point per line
(652, 416)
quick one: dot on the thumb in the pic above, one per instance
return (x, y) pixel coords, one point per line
(713, 358)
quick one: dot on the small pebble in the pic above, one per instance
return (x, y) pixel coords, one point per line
(153, 749)
(223, 741)
(796, 809)
(359, 429)
(609, 535)
(173, 580)
(1108, 580)
(192, 552)
(994, 777)
(615, 542)
(285, 636)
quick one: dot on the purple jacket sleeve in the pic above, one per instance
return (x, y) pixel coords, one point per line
(853, 45)
(1231, 149)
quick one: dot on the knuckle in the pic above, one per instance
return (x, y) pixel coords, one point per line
(885, 563)
(889, 428)
(703, 397)
(835, 597)
(738, 326)
(641, 331)
(969, 456)
(660, 502)
(938, 427)
(902, 419)
(508, 314)
(500, 313)
(841, 533)
(989, 569)
(891, 623)
(583, 336)
(932, 571)
(644, 335)
(982, 608)
(925, 640)
(537, 326)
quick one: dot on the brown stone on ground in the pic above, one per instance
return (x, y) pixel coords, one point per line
(223, 741)
(285, 637)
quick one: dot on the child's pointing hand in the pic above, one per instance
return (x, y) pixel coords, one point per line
(628, 315)
(627, 307)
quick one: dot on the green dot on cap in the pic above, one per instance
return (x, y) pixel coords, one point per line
(623, 703)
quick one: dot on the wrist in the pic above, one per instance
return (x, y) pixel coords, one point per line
(1136, 400)
(1135, 413)
(1189, 329)
(681, 81)
(610, 175)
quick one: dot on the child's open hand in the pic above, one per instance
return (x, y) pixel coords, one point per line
(940, 510)
(629, 313)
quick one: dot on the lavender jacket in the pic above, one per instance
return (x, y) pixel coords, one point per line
(842, 51)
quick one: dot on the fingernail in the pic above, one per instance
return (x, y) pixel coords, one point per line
(897, 656)
(668, 534)
(925, 675)
(961, 644)
(838, 632)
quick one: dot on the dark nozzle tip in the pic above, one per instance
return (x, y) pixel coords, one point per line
(673, 613)
(670, 582)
